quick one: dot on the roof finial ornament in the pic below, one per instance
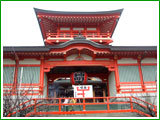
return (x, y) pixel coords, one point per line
(80, 36)
(79, 33)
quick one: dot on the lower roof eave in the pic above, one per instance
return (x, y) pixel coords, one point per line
(48, 48)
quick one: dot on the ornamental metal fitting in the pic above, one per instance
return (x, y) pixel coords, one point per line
(79, 36)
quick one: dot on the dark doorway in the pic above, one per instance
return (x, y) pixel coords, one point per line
(62, 87)
(60, 90)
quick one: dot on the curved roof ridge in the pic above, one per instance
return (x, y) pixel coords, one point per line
(83, 41)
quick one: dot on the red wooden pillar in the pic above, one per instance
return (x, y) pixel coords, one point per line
(15, 76)
(41, 75)
(35, 105)
(85, 31)
(108, 103)
(71, 31)
(131, 103)
(58, 31)
(84, 106)
(60, 104)
(141, 75)
(117, 75)
(98, 30)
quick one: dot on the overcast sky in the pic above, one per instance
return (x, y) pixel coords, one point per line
(138, 25)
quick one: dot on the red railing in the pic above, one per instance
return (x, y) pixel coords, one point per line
(130, 87)
(71, 35)
(87, 106)
(101, 38)
(26, 89)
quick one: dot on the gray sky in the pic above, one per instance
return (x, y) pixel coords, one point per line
(138, 25)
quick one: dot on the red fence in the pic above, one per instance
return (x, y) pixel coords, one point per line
(71, 35)
(43, 106)
(130, 87)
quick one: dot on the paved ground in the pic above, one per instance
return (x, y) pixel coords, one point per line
(98, 115)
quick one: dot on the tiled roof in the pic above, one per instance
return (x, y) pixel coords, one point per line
(80, 13)
(63, 45)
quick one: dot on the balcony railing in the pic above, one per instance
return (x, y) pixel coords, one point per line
(45, 106)
(136, 87)
(101, 38)
(72, 35)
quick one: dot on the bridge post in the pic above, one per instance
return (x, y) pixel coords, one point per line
(131, 103)
(35, 102)
(107, 103)
(84, 107)
(59, 104)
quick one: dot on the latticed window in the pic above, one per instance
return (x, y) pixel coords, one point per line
(28, 74)
(129, 74)
(149, 73)
(8, 75)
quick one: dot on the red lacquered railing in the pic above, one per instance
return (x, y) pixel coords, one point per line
(71, 35)
(101, 38)
(130, 87)
(124, 104)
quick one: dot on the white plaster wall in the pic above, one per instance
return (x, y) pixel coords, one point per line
(102, 59)
(126, 60)
(29, 61)
(149, 60)
(71, 57)
(45, 86)
(86, 57)
(8, 61)
(112, 84)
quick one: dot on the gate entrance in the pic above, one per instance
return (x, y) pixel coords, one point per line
(60, 82)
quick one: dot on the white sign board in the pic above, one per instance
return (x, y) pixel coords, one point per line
(83, 91)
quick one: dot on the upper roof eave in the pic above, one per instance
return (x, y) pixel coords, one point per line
(50, 12)
(78, 13)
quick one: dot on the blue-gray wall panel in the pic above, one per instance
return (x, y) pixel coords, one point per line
(129, 74)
